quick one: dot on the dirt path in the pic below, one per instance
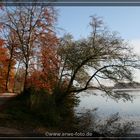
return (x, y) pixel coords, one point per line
(4, 97)
(9, 131)
(6, 131)
(12, 132)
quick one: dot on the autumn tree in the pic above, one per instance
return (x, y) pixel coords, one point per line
(47, 69)
(33, 30)
(4, 62)
(103, 55)
(10, 45)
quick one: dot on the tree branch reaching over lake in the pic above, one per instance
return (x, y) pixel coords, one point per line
(103, 53)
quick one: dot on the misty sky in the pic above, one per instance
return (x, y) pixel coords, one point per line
(124, 20)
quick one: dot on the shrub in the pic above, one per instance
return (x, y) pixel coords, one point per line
(52, 109)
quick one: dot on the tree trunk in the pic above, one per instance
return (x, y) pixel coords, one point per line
(8, 77)
(8, 72)
(25, 78)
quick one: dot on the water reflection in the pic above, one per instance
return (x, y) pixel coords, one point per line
(120, 95)
(109, 127)
(125, 103)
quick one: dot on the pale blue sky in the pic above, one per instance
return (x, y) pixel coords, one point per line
(125, 20)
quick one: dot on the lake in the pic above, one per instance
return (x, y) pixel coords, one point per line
(129, 110)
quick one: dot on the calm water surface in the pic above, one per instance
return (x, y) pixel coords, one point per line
(106, 106)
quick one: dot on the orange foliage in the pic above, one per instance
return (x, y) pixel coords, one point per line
(4, 60)
(47, 75)
(36, 47)
(3, 67)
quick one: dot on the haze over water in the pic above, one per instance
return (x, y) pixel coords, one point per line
(106, 106)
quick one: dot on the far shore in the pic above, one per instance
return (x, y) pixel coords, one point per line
(126, 89)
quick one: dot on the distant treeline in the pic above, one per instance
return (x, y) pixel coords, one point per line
(127, 85)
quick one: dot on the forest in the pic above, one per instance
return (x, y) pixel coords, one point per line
(42, 69)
